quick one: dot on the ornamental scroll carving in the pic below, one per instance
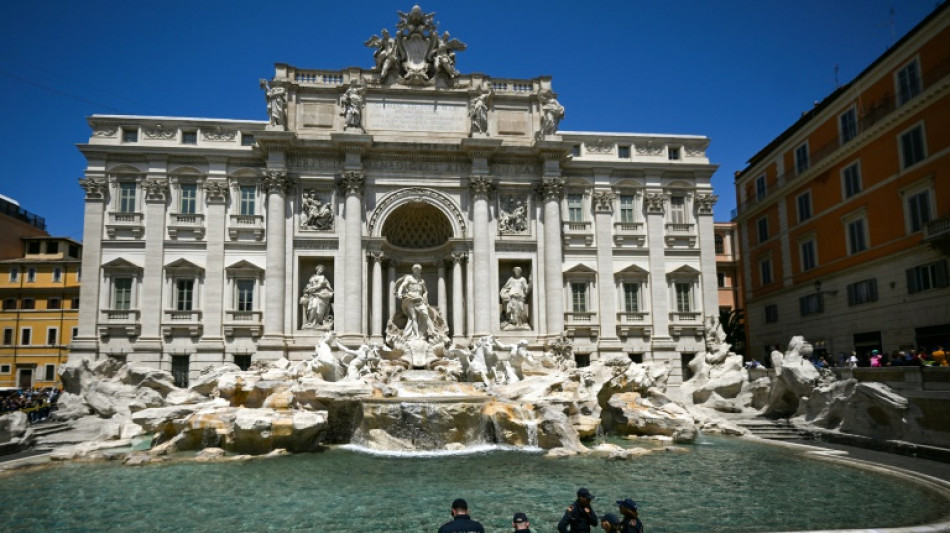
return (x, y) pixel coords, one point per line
(156, 190)
(104, 131)
(655, 201)
(604, 201)
(95, 188)
(551, 188)
(513, 216)
(481, 185)
(705, 202)
(649, 149)
(352, 182)
(276, 181)
(158, 131)
(216, 190)
(219, 135)
(599, 146)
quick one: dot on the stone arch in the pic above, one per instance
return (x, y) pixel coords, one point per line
(416, 225)
(417, 195)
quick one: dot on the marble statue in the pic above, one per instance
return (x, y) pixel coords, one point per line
(324, 363)
(478, 112)
(513, 217)
(418, 329)
(316, 298)
(315, 214)
(360, 362)
(352, 103)
(510, 361)
(513, 295)
(385, 54)
(551, 114)
(411, 290)
(417, 54)
(443, 56)
(276, 103)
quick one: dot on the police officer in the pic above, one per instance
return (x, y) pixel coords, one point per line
(461, 522)
(631, 519)
(579, 516)
(610, 523)
(520, 522)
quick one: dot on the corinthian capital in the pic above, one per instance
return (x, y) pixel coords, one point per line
(276, 181)
(95, 188)
(655, 201)
(156, 189)
(705, 202)
(604, 201)
(552, 188)
(352, 182)
(481, 185)
(216, 191)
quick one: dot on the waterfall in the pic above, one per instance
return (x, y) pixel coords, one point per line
(601, 437)
(531, 428)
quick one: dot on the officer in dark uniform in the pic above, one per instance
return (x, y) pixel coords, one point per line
(610, 523)
(579, 516)
(631, 519)
(461, 522)
(520, 522)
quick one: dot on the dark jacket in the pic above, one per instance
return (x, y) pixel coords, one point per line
(575, 520)
(632, 525)
(462, 523)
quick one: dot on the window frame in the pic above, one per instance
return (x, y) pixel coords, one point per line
(761, 188)
(802, 159)
(762, 228)
(240, 303)
(862, 292)
(806, 213)
(188, 203)
(848, 125)
(808, 260)
(681, 297)
(846, 178)
(57, 274)
(679, 210)
(811, 304)
(189, 137)
(54, 303)
(31, 275)
(855, 247)
(185, 298)
(52, 331)
(627, 210)
(766, 275)
(902, 146)
(26, 336)
(247, 205)
(9, 337)
(637, 300)
(914, 85)
(14, 274)
(575, 207)
(580, 299)
(918, 213)
(935, 273)
(126, 196)
(771, 313)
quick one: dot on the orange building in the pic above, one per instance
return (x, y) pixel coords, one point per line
(844, 218)
(40, 295)
(16, 222)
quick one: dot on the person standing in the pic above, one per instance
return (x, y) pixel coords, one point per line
(461, 522)
(610, 523)
(520, 522)
(579, 516)
(631, 521)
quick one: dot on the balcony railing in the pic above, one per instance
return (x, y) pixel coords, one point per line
(190, 222)
(685, 317)
(635, 317)
(624, 231)
(579, 230)
(584, 318)
(182, 320)
(250, 321)
(132, 222)
(251, 224)
(937, 235)
(123, 320)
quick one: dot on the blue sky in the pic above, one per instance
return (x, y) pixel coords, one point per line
(738, 71)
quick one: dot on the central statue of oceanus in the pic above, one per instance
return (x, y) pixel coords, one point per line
(417, 329)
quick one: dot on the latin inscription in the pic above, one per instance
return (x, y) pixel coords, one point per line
(410, 116)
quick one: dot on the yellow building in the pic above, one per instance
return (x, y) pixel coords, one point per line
(40, 295)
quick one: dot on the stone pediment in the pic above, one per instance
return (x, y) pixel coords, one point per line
(632, 271)
(683, 270)
(120, 263)
(580, 269)
(245, 265)
(183, 264)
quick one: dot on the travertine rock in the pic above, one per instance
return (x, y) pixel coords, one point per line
(630, 413)
(15, 432)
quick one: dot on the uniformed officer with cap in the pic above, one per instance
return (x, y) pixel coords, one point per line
(579, 516)
(461, 521)
(631, 519)
(520, 522)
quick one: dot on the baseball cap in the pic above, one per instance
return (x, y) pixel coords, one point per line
(628, 503)
(460, 504)
(520, 518)
(584, 493)
(611, 519)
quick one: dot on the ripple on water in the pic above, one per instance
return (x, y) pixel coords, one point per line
(721, 484)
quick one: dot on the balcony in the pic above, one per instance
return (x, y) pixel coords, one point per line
(123, 224)
(240, 225)
(630, 232)
(634, 323)
(680, 235)
(578, 232)
(180, 222)
(937, 235)
(189, 321)
(250, 322)
(584, 322)
(121, 321)
(686, 321)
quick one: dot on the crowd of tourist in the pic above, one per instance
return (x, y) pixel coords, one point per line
(579, 517)
(37, 403)
(921, 356)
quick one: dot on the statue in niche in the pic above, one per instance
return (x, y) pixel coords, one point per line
(478, 112)
(417, 330)
(276, 103)
(385, 54)
(513, 217)
(513, 295)
(352, 103)
(315, 214)
(551, 114)
(316, 298)
(411, 290)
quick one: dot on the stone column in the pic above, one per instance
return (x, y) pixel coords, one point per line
(553, 191)
(376, 316)
(458, 297)
(96, 188)
(655, 203)
(606, 287)
(707, 252)
(352, 185)
(392, 288)
(443, 299)
(275, 186)
(153, 301)
(481, 185)
(216, 298)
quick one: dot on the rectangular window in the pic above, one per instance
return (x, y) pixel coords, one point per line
(721, 279)
(74, 303)
(857, 239)
(189, 137)
(801, 159)
(763, 229)
(9, 304)
(33, 247)
(678, 209)
(52, 247)
(189, 195)
(245, 295)
(912, 146)
(7, 336)
(122, 293)
(74, 333)
(575, 211)
(578, 297)
(848, 124)
(926, 277)
(52, 335)
(248, 193)
(623, 152)
(809, 260)
(14, 274)
(771, 314)
(180, 370)
(684, 297)
(79, 273)
(811, 304)
(26, 336)
(31, 275)
(130, 135)
(50, 374)
(185, 294)
(674, 154)
(760, 188)
(29, 303)
(862, 292)
(126, 197)
(626, 208)
(57, 274)
(5, 369)
(918, 209)
(719, 244)
(908, 82)
(73, 251)
(247, 139)
(851, 176)
(765, 271)
(576, 150)
(631, 297)
(54, 303)
(804, 206)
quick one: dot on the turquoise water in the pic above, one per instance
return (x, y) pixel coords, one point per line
(719, 484)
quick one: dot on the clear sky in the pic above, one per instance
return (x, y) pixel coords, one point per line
(738, 71)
